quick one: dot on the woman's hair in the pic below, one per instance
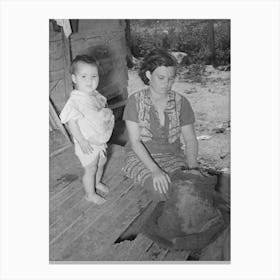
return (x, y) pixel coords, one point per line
(82, 58)
(154, 59)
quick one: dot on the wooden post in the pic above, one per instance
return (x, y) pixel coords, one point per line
(66, 65)
(128, 44)
(54, 117)
(211, 42)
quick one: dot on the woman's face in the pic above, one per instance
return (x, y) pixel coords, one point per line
(162, 79)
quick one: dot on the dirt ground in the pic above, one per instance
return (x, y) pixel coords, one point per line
(209, 95)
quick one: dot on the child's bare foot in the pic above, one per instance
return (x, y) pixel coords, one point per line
(102, 187)
(95, 198)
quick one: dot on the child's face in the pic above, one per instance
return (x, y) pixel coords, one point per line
(162, 79)
(86, 77)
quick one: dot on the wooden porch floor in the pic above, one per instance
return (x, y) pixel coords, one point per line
(82, 231)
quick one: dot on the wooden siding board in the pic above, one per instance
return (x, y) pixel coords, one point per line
(53, 35)
(53, 86)
(98, 28)
(56, 76)
(101, 25)
(57, 98)
(113, 70)
(108, 33)
(56, 55)
(67, 62)
(55, 117)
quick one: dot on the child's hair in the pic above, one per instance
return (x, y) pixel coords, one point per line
(154, 59)
(82, 58)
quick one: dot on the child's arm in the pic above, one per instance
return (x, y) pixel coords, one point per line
(76, 132)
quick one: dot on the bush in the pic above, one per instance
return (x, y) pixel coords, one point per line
(189, 36)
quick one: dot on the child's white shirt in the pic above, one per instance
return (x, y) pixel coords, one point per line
(95, 121)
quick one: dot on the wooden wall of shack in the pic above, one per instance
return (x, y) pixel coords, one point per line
(103, 39)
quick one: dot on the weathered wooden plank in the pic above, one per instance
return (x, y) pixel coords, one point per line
(145, 206)
(82, 45)
(53, 112)
(176, 255)
(99, 29)
(55, 65)
(62, 176)
(55, 48)
(62, 173)
(72, 185)
(53, 86)
(56, 55)
(68, 217)
(64, 221)
(58, 185)
(123, 217)
(63, 167)
(60, 150)
(86, 220)
(108, 250)
(103, 232)
(154, 253)
(52, 122)
(138, 248)
(67, 187)
(56, 76)
(117, 251)
(67, 62)
(68, 203)
(53, 35)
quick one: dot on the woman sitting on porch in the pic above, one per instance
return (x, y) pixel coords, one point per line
(161, 155)
(156, 117)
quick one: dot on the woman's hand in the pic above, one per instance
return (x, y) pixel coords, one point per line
(161, 180)
(85, 146)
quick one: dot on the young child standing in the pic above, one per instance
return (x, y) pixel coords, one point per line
(90, 123)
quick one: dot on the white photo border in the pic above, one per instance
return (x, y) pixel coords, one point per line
(254, 143)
